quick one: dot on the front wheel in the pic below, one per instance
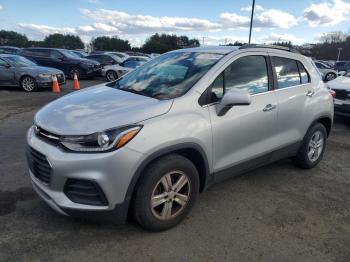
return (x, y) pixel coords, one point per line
(166, 193)
(29, 84)
(312, 148)
(330, 76)
(111, 76)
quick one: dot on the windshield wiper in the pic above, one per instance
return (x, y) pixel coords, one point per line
(134, 91)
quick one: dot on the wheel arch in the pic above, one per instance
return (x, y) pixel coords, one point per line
(192, 151)
(326, 121)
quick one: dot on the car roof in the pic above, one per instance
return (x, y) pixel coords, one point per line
(211, 49)
(8, 55)
(6, 46)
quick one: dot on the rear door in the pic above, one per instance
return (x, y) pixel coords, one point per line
(293, 90)
(245, 132)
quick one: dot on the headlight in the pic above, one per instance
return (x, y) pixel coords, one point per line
(102, 141)
(46, 76)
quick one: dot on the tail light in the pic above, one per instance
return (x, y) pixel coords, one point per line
(333, 93)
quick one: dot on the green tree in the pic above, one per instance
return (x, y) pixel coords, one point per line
(63, 41)
(161, 43)
(13, 39)
(105, 43)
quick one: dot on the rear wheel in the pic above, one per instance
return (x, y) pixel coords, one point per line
(166, 193)
(29, 84)
(111, 76)
(312, 148)
(330, 76)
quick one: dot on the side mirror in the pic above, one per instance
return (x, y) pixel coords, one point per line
(234, 97)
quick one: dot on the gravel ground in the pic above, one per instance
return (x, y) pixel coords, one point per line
(276, 213)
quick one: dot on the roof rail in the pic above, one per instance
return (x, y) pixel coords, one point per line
(284, 48)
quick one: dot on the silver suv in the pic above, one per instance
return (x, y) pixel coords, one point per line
(148, 143)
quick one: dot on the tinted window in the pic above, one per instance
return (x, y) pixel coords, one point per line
(320, 65)
(287, 72)
(55, 54)
(248, 73)
(37, 52)
(304, 76)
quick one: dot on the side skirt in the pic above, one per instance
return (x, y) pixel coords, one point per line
(252, 164)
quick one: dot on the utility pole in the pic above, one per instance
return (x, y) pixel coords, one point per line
(339, 50)
(251, 22)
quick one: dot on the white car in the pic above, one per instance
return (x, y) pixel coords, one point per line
(113, 72)
(328, 73)
(122, 56)
(341, 86)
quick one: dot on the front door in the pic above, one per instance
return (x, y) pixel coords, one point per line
(245, 132)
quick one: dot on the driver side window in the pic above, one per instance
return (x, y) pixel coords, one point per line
(248, 73)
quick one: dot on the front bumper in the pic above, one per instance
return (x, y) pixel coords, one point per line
(342, 108)
(112, 171)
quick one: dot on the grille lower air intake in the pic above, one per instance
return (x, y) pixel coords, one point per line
(85, 192)
(39, 165)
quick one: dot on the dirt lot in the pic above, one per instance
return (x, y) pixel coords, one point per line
(276, 213)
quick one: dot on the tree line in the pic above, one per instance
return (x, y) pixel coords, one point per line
(157, 43)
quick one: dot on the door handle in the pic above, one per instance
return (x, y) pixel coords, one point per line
(310, 93)
(269, 107)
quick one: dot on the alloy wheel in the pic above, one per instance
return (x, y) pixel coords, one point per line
(28, 84)
(112, 76)
(170, 195)
(315, 146)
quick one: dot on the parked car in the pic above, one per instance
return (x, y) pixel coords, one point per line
(18, 71)
(328, 73)
(134, 61)
(341, 86)
(10, 50)
(148, 143)
(123, 56)
(342, 66)
(64, 60)
(105, 59)
(113, 72)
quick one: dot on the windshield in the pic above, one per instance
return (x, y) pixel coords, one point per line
(168, 76)
(19, 61)
(68, 53)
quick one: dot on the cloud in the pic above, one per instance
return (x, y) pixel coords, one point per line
(268, 19)
(42, 30)
(249, 8)
(273, 37)
(327, 14)
(134, 24)
(1, 7)
(96, 2)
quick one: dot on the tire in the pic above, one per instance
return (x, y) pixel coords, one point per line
(153, 184)
(330, 76)
(28, 84)
(111, 76)
(312, 149)
(73, 70)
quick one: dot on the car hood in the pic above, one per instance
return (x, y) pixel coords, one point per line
(341, 82)
(86, 60)
(96, 109)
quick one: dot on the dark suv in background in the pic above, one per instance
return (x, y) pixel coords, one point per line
(64, 60)
(10, 50)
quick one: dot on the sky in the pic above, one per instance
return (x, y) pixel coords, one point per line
(213, 22)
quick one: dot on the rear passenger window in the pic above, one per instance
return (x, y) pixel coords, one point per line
(304, 76)
(248, 73)
(286, 71)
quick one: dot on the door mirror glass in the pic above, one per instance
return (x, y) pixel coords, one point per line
(233, 97)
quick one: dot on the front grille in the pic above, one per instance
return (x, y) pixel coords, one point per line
(39, 165)
(47, 136)
(342, 94)
(85, 192)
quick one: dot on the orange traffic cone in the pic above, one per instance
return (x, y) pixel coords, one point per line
(76, 85)
(55, 86)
